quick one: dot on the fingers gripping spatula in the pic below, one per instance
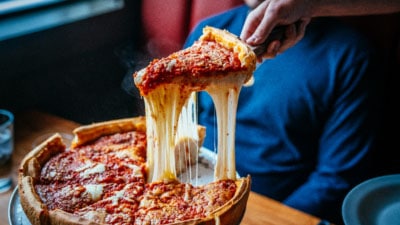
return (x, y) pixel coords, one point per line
(278, 33)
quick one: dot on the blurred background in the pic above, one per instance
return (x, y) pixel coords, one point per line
(63, 57)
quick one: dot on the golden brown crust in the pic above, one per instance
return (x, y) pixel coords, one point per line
(34, 209)
(35, 159)
(91, 132)
(233, 211)
(230, 41)
(29, 171)
(230, 213)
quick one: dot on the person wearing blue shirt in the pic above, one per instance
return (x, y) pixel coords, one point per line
(306, 128)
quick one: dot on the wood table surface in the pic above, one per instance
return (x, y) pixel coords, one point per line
(31, 125)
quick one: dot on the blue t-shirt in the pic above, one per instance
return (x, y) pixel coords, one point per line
(305, 129)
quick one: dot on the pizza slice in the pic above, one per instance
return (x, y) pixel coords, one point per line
(218, 63)
(216, 56)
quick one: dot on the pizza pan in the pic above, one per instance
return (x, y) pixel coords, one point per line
(204, 173)
(374, 202)
(16, 215)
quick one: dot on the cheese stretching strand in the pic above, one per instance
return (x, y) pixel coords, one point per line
(163, 106)
(218, 63)
(225, 95)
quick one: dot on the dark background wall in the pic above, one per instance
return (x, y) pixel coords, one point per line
(74, 70)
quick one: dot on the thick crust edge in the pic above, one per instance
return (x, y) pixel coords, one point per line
(29, 171)
(32, 163)
(85, 134)
(34, 209)
(230, 213)
(233, 43)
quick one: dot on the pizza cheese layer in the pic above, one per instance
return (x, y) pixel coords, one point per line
(105, 182)
(81, 176)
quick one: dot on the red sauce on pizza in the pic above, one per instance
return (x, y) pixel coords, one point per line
(105, 181)
(203, 58)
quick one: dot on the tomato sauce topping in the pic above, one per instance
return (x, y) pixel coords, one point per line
(204, 58)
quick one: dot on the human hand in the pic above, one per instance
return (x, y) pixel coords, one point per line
(271, 13)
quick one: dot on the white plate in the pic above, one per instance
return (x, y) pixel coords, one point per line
(204, 173)
(373, 202)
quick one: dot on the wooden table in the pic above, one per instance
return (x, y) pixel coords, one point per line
(33, 124)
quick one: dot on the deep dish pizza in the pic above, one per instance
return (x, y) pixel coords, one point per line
(126, 171)
(101, 179)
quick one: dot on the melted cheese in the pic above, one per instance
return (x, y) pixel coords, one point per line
(95, 191)
(118, 195)
(225, 94)
(163, 106)
(187, 138)
(99, 168)
(170, 111)
(87, 164)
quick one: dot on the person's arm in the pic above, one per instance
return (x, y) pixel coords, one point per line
(297, 13)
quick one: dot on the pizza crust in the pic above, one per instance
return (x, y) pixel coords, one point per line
(31, 165)
(87, 133)
(230, 213)
(29, 172)
(34, 209)
(35, 159)
(230, 41)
